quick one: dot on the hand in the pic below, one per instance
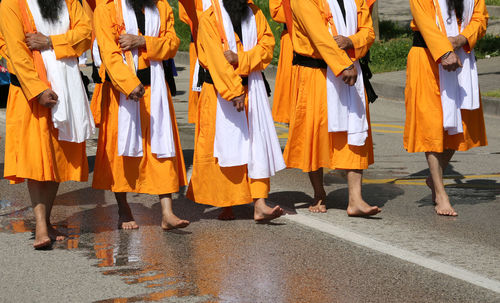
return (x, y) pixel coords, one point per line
(128, 42)
(48, 98)
(344, 43)
(137, 93)
(451, 63)
(38, 41)
(231, 57)
(350, 75)
(239, 103)
(458, 41)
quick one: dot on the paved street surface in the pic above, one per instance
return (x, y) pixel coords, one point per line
(405, 254)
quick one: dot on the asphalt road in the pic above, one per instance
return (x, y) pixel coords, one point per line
(405, 254)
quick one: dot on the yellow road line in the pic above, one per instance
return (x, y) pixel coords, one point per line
(387, 131)
(387, 125)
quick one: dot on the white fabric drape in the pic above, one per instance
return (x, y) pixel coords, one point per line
(71, 115)
(238, 141)
(346, 104)
(129, 119)
(96, 55)
(459, 89)
(196, 88)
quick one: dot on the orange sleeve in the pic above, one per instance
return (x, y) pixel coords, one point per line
(365, 36)
(226, 81)
(424, 17)
(277, 11)
(307, 16)
(477, 26)
(106, 33)
(259, 57)
(183, 16)
(20, 55)
(77, 40)
(166, 44)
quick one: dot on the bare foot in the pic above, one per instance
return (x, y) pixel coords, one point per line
(262, 212)
(226, 214)
(443, 207)
(318, 205)
(55, 235)
(42, 240)
(430, 184)
(169, 222)
(127, 222)
(361, 209)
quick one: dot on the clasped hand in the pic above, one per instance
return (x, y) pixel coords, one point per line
(129, 42)
(38, 41)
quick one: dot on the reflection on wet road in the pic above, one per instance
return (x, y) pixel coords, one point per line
(238, 261)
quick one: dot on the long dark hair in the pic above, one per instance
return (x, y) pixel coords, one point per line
(457, 6)
(237, 10)
(50, 9)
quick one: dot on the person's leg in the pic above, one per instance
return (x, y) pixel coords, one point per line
(50, 192)
(169, 219)
(126, 219)
(444, 160)
(316, 178)
(259, 189)
(443, 206)
(40, 207)
(357, 206)
(226, 214)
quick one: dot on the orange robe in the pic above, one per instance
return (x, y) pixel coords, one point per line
(147, 174)
(12, 118)
(41, 156)
(310, 146)
(283, 85)
(424, 130)
(211, 184)
(193, 56)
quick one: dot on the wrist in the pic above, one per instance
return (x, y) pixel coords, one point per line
(349, 67)
(446, 55)
(49, 42)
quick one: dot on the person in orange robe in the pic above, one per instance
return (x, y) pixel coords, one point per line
(283, 84)
(36, 153)
(210, 183)
(147, 174)
(310, 146)
(193, 95)
(424, 131)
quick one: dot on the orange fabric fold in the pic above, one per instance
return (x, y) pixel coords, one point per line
(29, 25)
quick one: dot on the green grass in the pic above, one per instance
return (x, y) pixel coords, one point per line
(493, 93)
(493, 2)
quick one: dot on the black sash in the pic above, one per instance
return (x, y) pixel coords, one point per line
(418, 40)
(205, 77)
(14, 80)
(298, 59)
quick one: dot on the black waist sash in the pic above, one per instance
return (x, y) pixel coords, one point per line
(205, 77)
(418, 40)
(298, 59)
(14, 80)
(144, 76)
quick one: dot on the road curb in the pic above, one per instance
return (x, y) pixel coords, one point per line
(493, 10)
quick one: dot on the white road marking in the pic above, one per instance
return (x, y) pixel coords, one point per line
(388, 249)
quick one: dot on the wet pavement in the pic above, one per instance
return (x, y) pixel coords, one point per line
(405, 254)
